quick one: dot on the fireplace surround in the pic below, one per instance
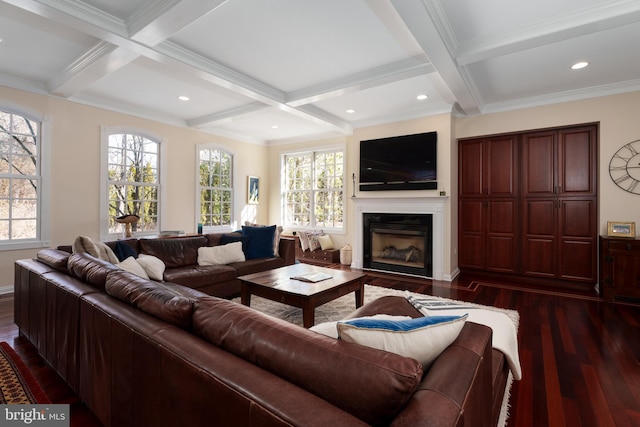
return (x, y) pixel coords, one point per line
(398, 242)
(432, 206)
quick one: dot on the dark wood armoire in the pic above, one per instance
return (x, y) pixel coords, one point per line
(528, 204)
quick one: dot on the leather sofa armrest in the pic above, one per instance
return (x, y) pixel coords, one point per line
(287, 250)
(457, 387)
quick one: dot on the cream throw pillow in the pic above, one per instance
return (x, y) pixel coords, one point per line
(325, 242)
(153, 266)
(131, 265)
(95, 248)
(220, 255)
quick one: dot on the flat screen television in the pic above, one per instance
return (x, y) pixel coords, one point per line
(407, 162)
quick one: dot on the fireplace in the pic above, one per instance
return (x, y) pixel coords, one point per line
(412, 206)
(398, 242)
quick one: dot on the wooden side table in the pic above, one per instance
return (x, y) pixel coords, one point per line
(620, 268)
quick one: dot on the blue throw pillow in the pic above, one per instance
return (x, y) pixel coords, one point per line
(232, 238)
(260, 243)
(124, 250)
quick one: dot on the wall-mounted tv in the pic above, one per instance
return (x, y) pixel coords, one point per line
(405, 162)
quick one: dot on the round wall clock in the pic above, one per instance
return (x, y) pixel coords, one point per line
(624, 167)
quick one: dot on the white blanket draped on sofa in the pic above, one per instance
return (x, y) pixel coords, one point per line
(505, 334)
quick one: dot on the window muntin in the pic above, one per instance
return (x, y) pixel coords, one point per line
(314, 190)
(20, 178)
(215, 169)
(133, 182)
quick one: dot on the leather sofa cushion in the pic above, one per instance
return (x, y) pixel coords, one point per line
(257, 265)
(198, 276)
(154, 298)
(175, 252)
(371, 384)
(54, 258)
(90, 269)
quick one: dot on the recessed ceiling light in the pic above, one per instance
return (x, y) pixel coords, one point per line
(579, 65)
(351, 111)
(183, 98)
(275, 127)
(421, 97)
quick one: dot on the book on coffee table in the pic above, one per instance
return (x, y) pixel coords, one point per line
(312, 277)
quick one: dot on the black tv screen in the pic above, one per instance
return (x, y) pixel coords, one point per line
(399, 162)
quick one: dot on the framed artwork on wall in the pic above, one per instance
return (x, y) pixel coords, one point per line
(621, 229)
(253, 190)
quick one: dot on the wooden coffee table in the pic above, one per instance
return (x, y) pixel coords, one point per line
(277, 285)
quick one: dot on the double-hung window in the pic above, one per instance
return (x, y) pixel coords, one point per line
(22, 190)
(132, 172)
(215, 189)
(313, 190)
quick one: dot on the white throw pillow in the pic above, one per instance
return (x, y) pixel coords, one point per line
(325, 242)
(221, 254)
(423, 338)
(153, 266)
(330, 329)
(131, 265)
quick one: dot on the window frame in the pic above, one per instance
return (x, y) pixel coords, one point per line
(43, 211)
(283, 186)
(218, 228)
(105, 132)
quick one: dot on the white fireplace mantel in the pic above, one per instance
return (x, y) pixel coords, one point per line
(418, 205)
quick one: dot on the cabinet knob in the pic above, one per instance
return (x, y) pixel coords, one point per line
(629, 247)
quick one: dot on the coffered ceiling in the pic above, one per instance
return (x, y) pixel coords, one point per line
(269, 71)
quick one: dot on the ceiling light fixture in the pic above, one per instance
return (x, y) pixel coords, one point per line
(421, 97)
(351, 111)
(579, 65)
(274, 127)
(183, 98)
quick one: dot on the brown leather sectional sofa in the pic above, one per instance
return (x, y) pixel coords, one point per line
(180, 257)
(146, 353)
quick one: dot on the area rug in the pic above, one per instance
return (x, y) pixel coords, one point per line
(341, 307)
(17, 384)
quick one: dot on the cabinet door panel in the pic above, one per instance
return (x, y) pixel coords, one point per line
(539, 256)
(501, 217)
(578, 260)
(470, 161)
(578, 218)
(625, 276)
(501, 253)
(577, 155)
(538, 164)
(471, 251)
(472, 216)
(501, 161)
(540, 217)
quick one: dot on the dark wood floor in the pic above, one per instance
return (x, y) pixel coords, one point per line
(580, 355)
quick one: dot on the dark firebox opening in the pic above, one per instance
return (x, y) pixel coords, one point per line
(400, 243)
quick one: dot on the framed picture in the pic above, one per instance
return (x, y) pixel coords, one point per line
(253, 190)
(621, 229)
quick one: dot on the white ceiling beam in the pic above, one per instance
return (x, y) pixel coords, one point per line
(102, 59)
(397, 71)
(600, 17)
(423, 20)
(159, 20)
(226, 116)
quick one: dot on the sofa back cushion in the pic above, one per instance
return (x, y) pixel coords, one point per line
(153, 298)
(371, 384)
(54, 258)
(174, 252)
(90, 269)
